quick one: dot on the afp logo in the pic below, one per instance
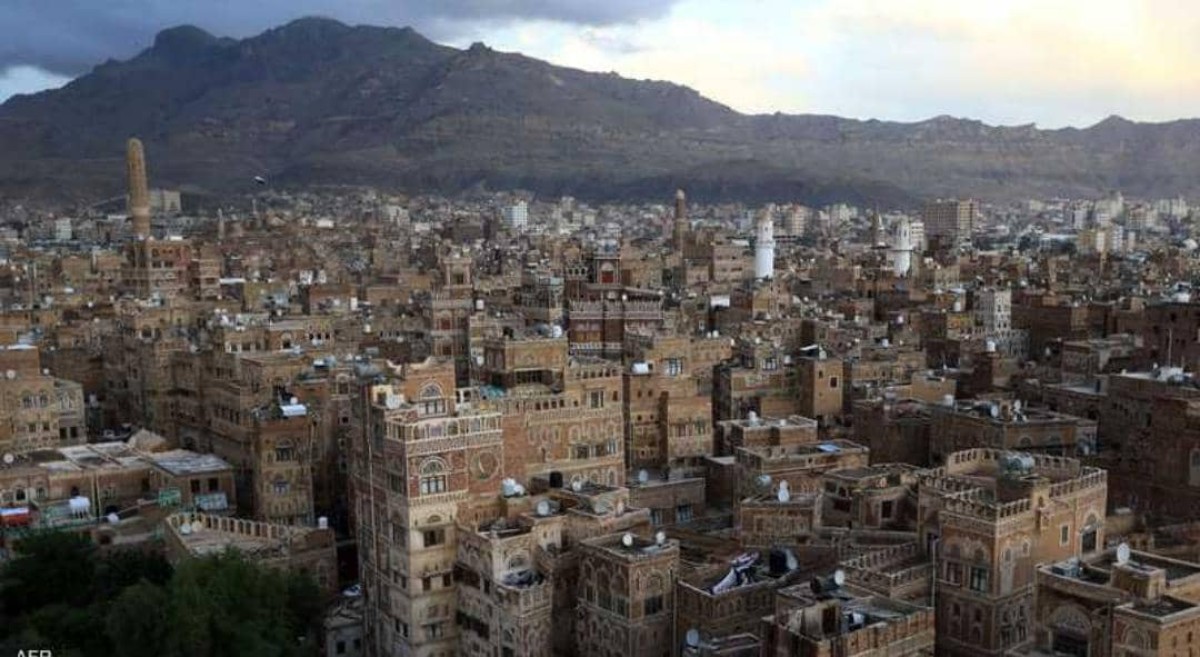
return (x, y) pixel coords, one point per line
(34, 653)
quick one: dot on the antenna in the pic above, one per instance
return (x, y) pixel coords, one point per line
(1123, 554)
(692, 638)
(627, 540)
(660, 537)
(543, 508)
(784, 495)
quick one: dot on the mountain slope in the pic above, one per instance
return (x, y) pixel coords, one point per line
(316, 101)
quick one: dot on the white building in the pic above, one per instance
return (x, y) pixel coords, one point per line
(517, 215)
(62, 229)
(764, 245)
(900, 251)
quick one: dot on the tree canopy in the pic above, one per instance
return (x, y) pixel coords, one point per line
(60, 593)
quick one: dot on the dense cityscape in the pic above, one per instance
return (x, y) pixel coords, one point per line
(507, 425)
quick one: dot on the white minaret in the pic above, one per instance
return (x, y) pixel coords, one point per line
(902, 248)
(764, 245)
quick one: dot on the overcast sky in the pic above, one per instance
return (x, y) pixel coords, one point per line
(1050, 62)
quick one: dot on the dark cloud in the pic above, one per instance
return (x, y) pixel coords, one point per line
(71, 36)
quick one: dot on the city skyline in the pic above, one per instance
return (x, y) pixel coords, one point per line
(1066, 63)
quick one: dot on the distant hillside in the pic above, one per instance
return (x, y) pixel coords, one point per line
(319, 102)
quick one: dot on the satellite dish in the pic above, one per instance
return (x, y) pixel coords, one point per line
(643, 476)
(10, 374)
(9, 458)
(839, 578)
(576, 485)
(1123, 554)
(692, 638)
(543, 508)
(185, 528)
(785, 494)
(660, 537)
(627, 540)
(763, 481)
(392, 402)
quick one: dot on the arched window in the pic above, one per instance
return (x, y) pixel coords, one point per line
(434, 476)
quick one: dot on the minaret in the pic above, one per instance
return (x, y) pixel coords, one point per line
(220, 224)
(902, 248)
(681, 221)
(876, 229)
(764, 245)
(139, 193)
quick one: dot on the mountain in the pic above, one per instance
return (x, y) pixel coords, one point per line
(319, 102)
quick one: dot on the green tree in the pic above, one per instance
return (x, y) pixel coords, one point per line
(139, 620)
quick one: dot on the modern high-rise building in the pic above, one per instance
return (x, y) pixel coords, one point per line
(950, 221)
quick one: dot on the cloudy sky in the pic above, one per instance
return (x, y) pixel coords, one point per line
(1050, 62)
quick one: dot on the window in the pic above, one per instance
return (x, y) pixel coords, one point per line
(281, 486)
(771, 364)
(673, 367)
(596, 399)
(341, 647)
(833, 382)
(654, 604)
(683, 513)
(656, 516)
(433, 477)
(887, 509)
(426, 583)
(1064, 535)
(213, 485)
(954, 573)
(195, 485)
(284, 452)
(979, 579)
(434, 630)
(432, 537)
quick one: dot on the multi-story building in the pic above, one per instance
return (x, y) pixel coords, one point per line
(626, 596)
(949, 222)
(562, 414)
(422, 468)
(989, 518)
(1007, 424)
(864, 626)
(37, 410)
(1117, 602)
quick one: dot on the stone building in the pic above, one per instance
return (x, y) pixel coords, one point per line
(872, 497)
(989, 518)
(37, 410)
(562, 414)
(305, 550)
(820, 387)
(864, 626)
(626, 597)
(505, 600)
(421, 468)
(1108, 605)
(1007, 424)
(895, 430)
